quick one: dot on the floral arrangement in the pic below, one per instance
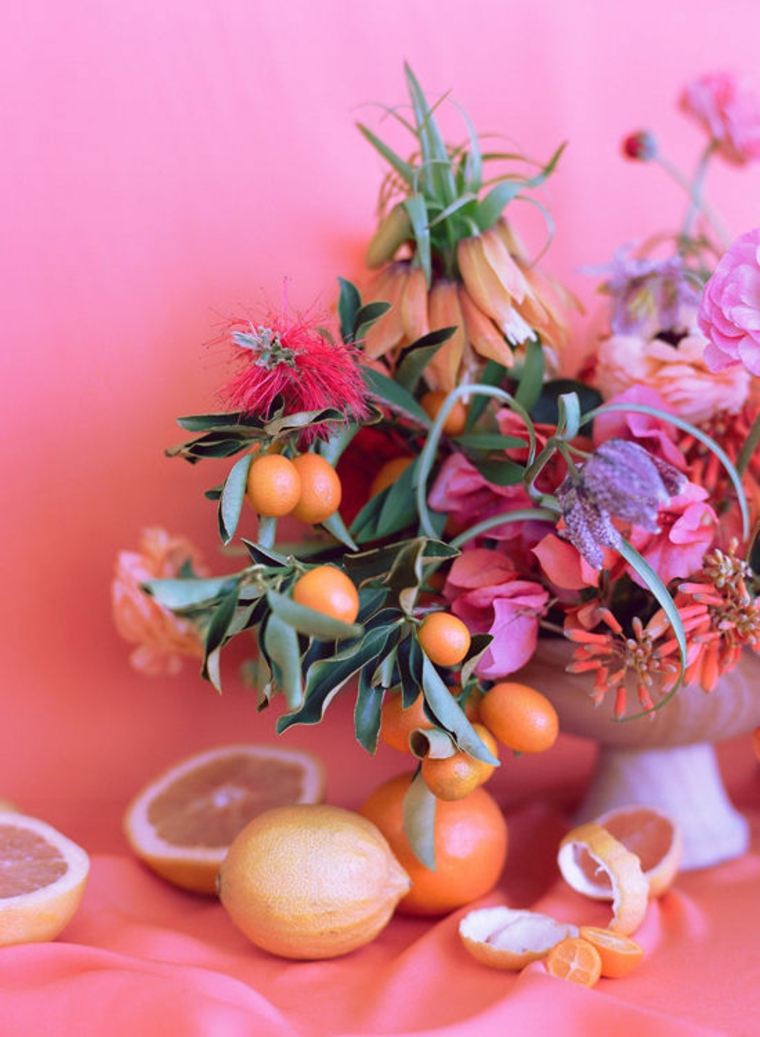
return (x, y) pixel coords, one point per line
(463, 497)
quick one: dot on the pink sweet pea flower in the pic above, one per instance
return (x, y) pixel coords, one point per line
(729, 111)
(687, 528)
(729, 314)
(486, 593)
(161, 637)
(654, 434)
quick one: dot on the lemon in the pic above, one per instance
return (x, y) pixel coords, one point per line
(311, 881)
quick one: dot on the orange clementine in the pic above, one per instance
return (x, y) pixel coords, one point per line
(274, 486)
(182, 823)
(398, 723)
(328, 590)
(321, 490)
(389, 474)
(620, 954)
(42, 879)
(455, 777)
(576, 960)
(521, 718)
(470, 847)
(444, 638)
(456, 419)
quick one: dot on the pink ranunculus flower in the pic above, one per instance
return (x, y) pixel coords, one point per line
(729, 313)
(486, 593)
(687, 528)
(679, 374)
(729, 111)
(161, 637)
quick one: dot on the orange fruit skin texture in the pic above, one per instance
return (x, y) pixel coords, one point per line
(470, 847)
(328, 590)
(310, 881)
(274, 486)
(398, 723)
(388, 474)
(454, 425)
(521, 718)
(444, 638)
(321, 491)
(575, 959)
(620, 955)
(457, 776)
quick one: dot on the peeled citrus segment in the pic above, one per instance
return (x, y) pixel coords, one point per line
(42, 879)
(508, 939)
(311, 881)
(653, 837)
(575, 960)
(183, 822)
(620, 954)
(594, 863)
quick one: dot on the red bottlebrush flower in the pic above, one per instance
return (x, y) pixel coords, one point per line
(640, 146)
(289, 360)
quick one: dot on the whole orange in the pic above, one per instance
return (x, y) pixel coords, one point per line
(321, 490)
(444, 638)
(328, 590)
(470, 847)
(521, 718)
(455, 777)
(274, 486)
(398, 723)
(388, 474)
(456, 419)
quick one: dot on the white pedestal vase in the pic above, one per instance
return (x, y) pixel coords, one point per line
(667, 762)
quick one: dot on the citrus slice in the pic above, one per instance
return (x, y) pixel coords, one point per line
(653, 837)
(594, 863)
(576, 960)
(508, 939)
(620, 954)
(183, 822)
(42, 879)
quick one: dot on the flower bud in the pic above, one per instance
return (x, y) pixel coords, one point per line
(640, 146)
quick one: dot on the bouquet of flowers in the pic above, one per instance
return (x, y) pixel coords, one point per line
(462, 496)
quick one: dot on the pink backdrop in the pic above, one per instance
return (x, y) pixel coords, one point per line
(164, 162)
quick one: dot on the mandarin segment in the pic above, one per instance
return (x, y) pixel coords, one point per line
(620, 955)
(311, 882)
(576, 960)
(470, 847)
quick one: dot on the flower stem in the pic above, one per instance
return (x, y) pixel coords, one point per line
(693, 190)
(750, 445)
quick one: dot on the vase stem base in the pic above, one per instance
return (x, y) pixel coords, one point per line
(683, 782)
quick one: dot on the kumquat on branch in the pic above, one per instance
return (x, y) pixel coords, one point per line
(465, 498)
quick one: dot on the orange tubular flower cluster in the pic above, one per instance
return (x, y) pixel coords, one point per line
(494, 300)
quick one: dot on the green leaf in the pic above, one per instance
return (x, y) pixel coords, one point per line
(409, 656)
(489, 441)
(501, 473)
(214, 493)
(492, 374)
(389, 511)
(532, 378)
(436, 162)
(280, 642)
(349, 304)
(336, 527)
(492, 206)
(418, 217)
(302, 419)
(569, 413)
(660, 592)
(367, 713)
(394, 396)
(233, 495)
(546, 407)
(216, 635)
(205, 422)
(333, 447)
(309, 621)
(265, 555)
(451, 716)
(419, 821)
(478, 646)
(188, 594)
(367, 316)
(417, 357)
(404, 170)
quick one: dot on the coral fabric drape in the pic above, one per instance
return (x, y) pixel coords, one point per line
(166, 164)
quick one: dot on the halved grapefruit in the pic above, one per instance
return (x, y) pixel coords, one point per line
(184, 821)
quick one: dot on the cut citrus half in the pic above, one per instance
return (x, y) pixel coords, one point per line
(620, 954)
(653, 837)
(508, 939)
(42, 879)
(594, 863)
(576, 960)
(184, 821)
